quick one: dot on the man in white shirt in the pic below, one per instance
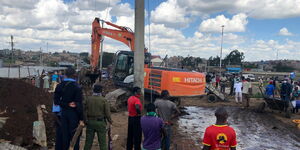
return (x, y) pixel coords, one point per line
(238, 91)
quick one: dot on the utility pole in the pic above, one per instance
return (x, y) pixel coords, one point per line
(221, 49)
(139, 45)
(101, 55)
(12, 53)
(41, 57)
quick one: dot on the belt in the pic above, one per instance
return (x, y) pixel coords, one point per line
(96, 118)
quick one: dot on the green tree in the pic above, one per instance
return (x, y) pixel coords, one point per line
(214, 61)
(283, 68)
(234, 58)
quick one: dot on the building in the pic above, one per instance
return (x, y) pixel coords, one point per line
(157, 61)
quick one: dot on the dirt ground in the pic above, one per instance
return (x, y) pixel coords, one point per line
(183, 141)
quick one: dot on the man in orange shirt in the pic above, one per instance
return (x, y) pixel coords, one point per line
(134, 134)
(220, 136)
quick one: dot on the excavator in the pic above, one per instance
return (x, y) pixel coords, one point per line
(178, 82)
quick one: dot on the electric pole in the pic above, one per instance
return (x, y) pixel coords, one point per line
(139, 45)
(221, 49)
(41, 57)
(12, 44)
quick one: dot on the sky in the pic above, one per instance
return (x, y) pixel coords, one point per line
(258, 28)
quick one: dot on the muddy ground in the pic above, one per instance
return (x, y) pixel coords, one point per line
(255, 131)
(260, 131)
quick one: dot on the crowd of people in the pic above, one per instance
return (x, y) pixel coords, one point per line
(47, 81)
(71, 109)
(286, 89)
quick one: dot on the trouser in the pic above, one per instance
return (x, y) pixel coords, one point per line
(69, 121)
(58, 132)
(166, 141)
(99, 127)
(247, 97)
(286, 99)
(134, 134)
(238, 97)
(231, 89)
(53, 85)
(217, 84)
(222, 88)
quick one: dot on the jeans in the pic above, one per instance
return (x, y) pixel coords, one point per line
(134, 134)
(99, 127)
(69, 121)
(286, 99)
(222, 87)
(58, 132)
(166, 141)
(238, 97)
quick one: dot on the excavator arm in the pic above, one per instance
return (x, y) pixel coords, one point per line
(122, 34)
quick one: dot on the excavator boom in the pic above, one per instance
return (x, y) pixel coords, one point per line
(122, 34)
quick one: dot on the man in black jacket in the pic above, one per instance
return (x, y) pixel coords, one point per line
(68, 96)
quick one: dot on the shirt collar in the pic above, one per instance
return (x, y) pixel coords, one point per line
(69, 79)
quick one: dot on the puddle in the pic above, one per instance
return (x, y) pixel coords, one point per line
(254, 131)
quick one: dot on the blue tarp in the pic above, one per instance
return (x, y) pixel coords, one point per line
(233, 69)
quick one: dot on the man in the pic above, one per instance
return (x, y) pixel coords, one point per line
(217, 81)
(223, 81)
(97, 112)
(68, 96)
(220, 136)
(152, 127)
(270, 90)
(238, 91)
(247, 88)
(167, 110)
(231, 79)
(134, 134)
(54, 81)
(285, 93)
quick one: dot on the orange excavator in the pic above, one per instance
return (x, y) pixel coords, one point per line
(178, 82)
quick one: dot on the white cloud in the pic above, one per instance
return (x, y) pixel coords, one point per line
(236, 24)
(284, 32)
(263, 9)
(170, 14)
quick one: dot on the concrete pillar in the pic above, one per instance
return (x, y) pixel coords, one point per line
(139, 45)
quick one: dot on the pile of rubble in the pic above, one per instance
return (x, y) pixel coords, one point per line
(18, 107)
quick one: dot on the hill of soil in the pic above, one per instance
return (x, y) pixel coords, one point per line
(18, 102)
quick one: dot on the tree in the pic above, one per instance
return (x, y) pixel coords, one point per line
(234, 58)
(283, 68)
(214, 61)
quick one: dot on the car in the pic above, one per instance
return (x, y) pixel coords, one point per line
(250, 76)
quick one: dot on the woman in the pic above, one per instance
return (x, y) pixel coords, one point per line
(46, 82)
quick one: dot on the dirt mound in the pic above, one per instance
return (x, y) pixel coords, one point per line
(19, 100)
(108, 86)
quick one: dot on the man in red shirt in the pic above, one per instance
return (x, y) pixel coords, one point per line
(134, 134)
(220, 136)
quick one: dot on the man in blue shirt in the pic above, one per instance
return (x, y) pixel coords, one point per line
(270, 90)
(54, 81)
(68, 96)
(152, 128)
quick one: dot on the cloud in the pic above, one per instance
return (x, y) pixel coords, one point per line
(262, 9)
(284, 32)
(236, 24)
(170, 14)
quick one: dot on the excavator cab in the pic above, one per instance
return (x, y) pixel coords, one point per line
(124, 68)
